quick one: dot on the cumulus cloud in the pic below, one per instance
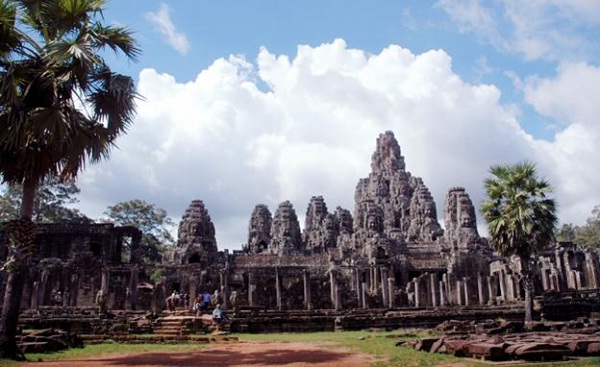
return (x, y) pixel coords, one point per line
(164, 25)
(287, 127)
(549, 29)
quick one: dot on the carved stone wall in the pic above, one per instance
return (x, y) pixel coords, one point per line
(460, 220)
(259, 230)
(285, 231)
(196, 236)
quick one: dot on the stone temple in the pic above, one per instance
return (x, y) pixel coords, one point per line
(389, 252)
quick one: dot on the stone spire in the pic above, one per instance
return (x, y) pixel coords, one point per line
(196, 235)
(391, 203)
(424, 226)
(320, 228)
(285, 231)
(259, 230)
(460, 220)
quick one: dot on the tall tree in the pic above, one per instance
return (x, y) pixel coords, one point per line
(60, 106)
(50, 204)
(152, 221)
(589, 233)
(521, 217)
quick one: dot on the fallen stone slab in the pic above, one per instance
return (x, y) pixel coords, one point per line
(541, 352)
(488, 351)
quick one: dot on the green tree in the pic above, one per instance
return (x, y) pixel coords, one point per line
(567, 232)
(60, 106)
(50, 203)
(521, 217)
(152, 221)
(589, 234)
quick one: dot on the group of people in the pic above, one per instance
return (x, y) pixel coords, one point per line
(201, 304)
(177, 301)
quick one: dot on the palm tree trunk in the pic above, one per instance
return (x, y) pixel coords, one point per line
(528, 287)
(21, 234)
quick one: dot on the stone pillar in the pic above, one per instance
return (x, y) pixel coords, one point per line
(251, 289)
(481, 289)
(375, 278)
(333, 287)
(359, 287)
(502, 281)
(459, 292)
(306, 280)
(592, 273)
(555, 282)
(443, 294)
(467, 292)
(35, 295)
(418, 298)
(545, 275)
(224, 289)
(105, 281)
(133, 287)
(391, 288)
(491, 284)
(577, 277)
(433, 289)
(364, 295)
(278, 288)
(510, 288)
(384, 287)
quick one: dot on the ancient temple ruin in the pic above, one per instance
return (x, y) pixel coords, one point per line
(388, 252)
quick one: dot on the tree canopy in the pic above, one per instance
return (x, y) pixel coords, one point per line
(51, 203)
(60, 107)
(521, 217)
(587, 234)
(154, 223)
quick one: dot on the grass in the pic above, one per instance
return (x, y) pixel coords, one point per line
(379, 344)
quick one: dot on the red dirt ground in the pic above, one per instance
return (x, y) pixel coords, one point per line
(239, 354)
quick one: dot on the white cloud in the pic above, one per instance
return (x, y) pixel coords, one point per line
(165, 26)
(222, 139)
(540, 29)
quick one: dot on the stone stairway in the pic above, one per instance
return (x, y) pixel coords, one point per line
(175, 325)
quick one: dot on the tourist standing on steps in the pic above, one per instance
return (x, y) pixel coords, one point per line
(206, 298)
(218, 317)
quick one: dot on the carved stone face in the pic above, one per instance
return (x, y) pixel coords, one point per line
(374, 223)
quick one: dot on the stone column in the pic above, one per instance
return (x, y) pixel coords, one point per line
(592, 274)
(467, 292)
(545, 275)
(359, 287)
(133, 287)
(481, 289)
(384, 287)
(459, 292)
(433, 289)
(224, 289)
(418, 298)
(364, 295)
(577, 277)
(443, 294)
(278, 288)
(251, 289)
(105, 281)
(35, 295)
(333, 287)
(391, 288)
(306, 280)
(502, 281)
(491, 284)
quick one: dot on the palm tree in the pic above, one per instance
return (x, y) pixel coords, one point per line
(60, 106)
(521, 217)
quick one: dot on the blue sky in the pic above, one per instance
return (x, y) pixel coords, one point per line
(243, 99)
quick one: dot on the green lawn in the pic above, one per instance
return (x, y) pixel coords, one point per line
(376, 343)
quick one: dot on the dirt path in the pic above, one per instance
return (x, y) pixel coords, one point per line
(253, 354)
